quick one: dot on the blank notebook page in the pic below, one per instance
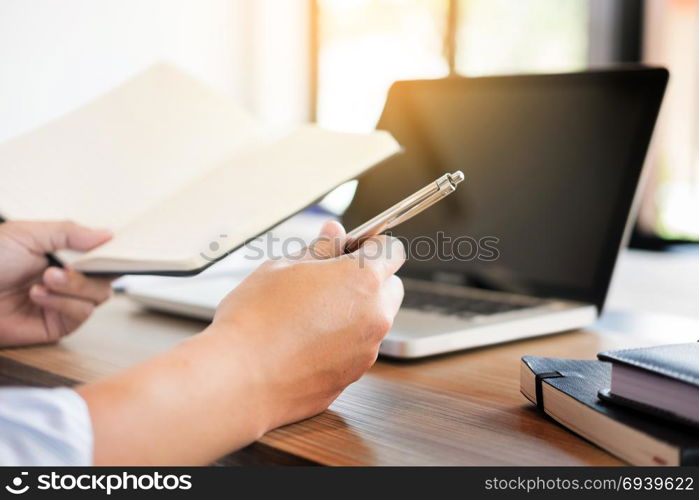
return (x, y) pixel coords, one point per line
(245, 195)
(116, 156)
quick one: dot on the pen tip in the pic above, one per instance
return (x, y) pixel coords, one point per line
(457, 177)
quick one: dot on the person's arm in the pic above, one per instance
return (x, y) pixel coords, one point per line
(187, 406)
(282, 347)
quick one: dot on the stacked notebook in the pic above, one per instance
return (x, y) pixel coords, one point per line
(641, 405)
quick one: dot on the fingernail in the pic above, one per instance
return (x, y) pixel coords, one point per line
(102, 233)
(57, 276)
(39, 291)
(326, 230)
(371, 248)
(396, 245)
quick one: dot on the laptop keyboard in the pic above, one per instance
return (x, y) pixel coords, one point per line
(459, 305)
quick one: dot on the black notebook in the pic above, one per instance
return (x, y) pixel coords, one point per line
(567, 391)
(661, 380)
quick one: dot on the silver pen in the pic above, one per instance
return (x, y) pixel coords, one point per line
(404, 210)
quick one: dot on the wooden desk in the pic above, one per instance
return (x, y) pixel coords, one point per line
(459, 409)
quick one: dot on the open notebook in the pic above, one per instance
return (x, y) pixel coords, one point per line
(178, 172)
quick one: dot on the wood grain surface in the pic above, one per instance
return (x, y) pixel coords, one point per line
(457, 409)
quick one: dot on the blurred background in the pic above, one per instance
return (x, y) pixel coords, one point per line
(332, 61)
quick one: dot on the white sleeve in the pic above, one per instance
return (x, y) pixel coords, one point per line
(44, 427)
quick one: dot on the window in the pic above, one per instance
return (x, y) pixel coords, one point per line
(671, 205)
(366, 45)
(515, 36)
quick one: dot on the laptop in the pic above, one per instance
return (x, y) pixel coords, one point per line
(527, 245)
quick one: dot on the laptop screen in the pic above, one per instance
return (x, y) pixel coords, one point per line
(551, 164)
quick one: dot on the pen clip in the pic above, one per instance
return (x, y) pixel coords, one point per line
(440, 193)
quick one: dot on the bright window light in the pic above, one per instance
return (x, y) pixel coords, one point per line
(515, 36)
(366, 45)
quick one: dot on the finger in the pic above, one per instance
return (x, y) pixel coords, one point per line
(75, 284)
(72, 312)
(329, 243)
(392, 295)
(51, 236)
(383, 255)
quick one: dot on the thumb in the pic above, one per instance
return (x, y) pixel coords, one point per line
(329, 243)
(51, 236)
